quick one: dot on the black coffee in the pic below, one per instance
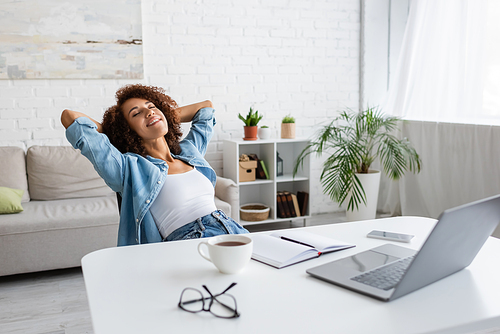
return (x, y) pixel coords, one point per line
(230, 243)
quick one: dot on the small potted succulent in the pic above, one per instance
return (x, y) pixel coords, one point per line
(264, 132)
(251, 121)
(288, 127)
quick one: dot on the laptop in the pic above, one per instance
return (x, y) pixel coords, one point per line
(388, 272)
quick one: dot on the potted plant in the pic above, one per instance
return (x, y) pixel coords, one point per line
(264, 132)
(251, 121)
(353, 141)
(288, 127)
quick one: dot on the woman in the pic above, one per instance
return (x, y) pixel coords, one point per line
(167, 187)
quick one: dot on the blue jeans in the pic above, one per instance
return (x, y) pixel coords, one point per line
(216, 223)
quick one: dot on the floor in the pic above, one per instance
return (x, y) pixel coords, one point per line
(52, 302)
(55, 302)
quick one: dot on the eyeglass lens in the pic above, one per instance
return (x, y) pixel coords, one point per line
(192, 300)
(223, 306)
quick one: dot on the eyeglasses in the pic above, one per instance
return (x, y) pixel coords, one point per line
(222, 305)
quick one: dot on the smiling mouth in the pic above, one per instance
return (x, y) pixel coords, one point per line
(153, 122)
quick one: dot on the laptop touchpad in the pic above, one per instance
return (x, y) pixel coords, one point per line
(367, 260)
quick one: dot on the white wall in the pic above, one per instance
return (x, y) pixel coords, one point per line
(283, 57)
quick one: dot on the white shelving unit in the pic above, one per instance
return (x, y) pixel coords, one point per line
(264, 191)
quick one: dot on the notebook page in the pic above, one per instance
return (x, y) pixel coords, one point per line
(319, 242)
(276, 251)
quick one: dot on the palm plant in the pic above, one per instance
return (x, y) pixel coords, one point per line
(353, 141)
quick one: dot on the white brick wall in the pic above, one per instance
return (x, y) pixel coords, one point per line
(283, 57)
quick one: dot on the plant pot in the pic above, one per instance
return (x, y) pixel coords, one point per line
(264, 133)
(250, 132)
(288, 130)
(371, 183)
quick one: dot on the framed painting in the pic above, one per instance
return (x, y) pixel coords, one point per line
(85, 39)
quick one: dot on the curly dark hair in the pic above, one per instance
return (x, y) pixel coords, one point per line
(116, 127)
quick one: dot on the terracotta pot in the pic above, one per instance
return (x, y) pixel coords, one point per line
(288, 130)
(250, 132)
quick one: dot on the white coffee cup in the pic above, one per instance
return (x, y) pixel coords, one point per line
(229, 252)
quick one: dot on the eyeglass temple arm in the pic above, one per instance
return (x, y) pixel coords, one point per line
(229, 287)
(196, 300)
(211, 296)
(223, 292)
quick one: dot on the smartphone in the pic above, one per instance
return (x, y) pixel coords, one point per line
(390, 236)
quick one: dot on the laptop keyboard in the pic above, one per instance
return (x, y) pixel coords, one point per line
(386, 277)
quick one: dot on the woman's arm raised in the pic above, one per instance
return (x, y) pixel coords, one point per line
(187, 113)
(69, 116)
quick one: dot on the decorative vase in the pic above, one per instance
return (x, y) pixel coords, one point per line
(264, 133)
(250, 132)
(288, 130)
(370, 182)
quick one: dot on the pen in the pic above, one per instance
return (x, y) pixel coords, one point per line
(298, 242)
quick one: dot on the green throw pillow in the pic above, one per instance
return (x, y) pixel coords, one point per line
(10, 200)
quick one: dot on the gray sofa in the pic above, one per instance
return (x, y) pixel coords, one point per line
(68, 211)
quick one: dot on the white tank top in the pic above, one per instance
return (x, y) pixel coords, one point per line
(182, 199)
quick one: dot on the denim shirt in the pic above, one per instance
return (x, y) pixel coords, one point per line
(139, 179)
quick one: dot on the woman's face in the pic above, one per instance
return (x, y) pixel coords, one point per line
(144, 118)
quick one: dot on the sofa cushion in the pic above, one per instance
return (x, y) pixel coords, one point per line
(13, 167)
(61, 172)
(56, 234)
(10, 200)
(66, 214)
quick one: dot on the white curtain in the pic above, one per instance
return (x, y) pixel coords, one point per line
(439, 76)
(438, 85)
(460, 164)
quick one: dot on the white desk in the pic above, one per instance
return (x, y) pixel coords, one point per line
(136, 290)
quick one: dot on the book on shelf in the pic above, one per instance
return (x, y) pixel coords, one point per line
(288, 205)
(296, 205)
(303, 199)
(281, 210)
(289, 202)
(260, 172)
(286, 208)
(263, 165)
(284, 248)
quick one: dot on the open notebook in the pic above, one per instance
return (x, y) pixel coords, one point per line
(284, 248)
